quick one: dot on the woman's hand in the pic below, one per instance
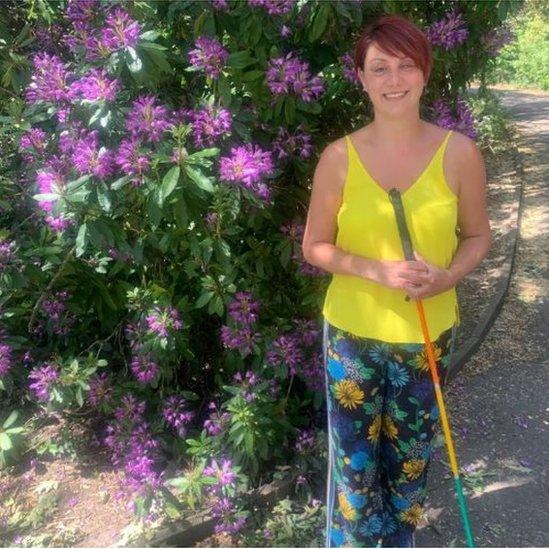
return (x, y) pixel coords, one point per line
(400, 274)
(432, 280)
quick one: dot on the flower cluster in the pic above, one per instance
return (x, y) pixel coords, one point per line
(33, 144)
(244, 313)
(50, 80)
(43, 378)
(6, 359)
(220, 5)
(58, 319)
(217, 421)
(209, 124)
(100, 391)
(133, 160)
(163, 320)
(306, 440)
(223, 473)
(291, 75)
(286, 144)
(495, 39)
(49, 181)
(274, 7)
(96, 86)
(463, 121)
(348, 68)
(209, 55)
(7, 253)
(147, 120)
(449, 32)
(247, 383)
(247, 165)
(176, 414)
(286, 351)
(132, 445)
(144, 368)
(228, 520)
(89, 158)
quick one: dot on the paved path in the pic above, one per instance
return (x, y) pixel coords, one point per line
(499, 416)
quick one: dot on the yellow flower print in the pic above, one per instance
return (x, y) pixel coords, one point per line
(389, 427)
(422, 359)
(349, 394)
(347, 510)
(414, 468)
(412, 515)
(375, 428)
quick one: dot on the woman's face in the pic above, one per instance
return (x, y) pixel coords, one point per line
(385, 77)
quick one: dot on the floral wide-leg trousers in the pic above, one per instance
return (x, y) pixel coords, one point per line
(382, 415)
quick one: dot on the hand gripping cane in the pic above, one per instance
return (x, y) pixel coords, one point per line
(396, 199)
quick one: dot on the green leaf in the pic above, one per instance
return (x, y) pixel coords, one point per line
(133, 62)
(119, 183)
(47, 197)
(11, 419)
(240, 60)
(5, 442)
(81, 239)
(200, 179)
(203, 299)
(103, 197)
(320, 21)
(169, 183)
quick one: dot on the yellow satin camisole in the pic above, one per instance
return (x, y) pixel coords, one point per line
(367, 227)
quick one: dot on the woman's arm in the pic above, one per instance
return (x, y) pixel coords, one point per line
(466, 164)
(318, 241)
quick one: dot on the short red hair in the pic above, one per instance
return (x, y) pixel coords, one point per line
(397, 36)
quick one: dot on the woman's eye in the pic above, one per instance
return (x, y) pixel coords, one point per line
(379, 70)
(408, 66)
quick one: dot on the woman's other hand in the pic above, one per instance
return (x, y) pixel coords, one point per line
(400, 274)
(432, 280)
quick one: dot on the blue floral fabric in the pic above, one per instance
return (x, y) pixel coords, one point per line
(382, 414)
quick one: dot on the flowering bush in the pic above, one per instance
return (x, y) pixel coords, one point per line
(153, 192)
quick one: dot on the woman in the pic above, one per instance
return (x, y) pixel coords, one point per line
(382, 410)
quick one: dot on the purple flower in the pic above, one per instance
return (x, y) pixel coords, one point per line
(147, 120)
(130, 410)
(228, 522)
(250, 380)
(32, 144)
(209, 55)
(43, 378)
(305, 441)
(287, 144)
(291, 75)
(60, 223)
(274, 7)
(96, 86)
(243, 309)
(223, 473)
(463, 121)
(246, 166)
(308, 330)
(495, 39)
(88, 158)
(449, 32)
(81, 11)
(209, 124)
(50, 80)
(144, 368)
(285, 350)
(242, 338)
(176, 414)
(49, 182)
(220, 5)
(526, 463)
(6, 359)
(349, 71)
(120, 31)
(100, 391)
(54, 308)
(312, 372)
(131, 161)
(285, 31)
(7, 253)
(164, 320)
(218, 421)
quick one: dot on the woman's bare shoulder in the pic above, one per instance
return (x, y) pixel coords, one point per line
(332, 164)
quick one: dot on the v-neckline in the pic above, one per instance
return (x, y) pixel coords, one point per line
(417, 179)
